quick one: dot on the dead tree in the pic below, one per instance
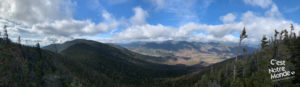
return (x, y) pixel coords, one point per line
(243, 35)
(292, 30)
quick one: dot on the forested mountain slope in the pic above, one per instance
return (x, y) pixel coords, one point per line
(24, 66)
(120, 65)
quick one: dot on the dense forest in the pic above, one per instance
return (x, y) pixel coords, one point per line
(86, 63)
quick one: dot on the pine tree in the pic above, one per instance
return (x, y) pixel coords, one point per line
(39, 50)
(5, 33)
(296, 61)
(286, 34)
(19, 40)
(264, 42)
(276, 34)
(38, 45)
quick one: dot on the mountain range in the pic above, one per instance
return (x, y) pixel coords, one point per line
(115, 63)
(187, 53)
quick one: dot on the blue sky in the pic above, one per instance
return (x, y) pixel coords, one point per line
(122, 21)
(209, 15)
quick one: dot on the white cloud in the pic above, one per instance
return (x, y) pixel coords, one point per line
(144, 33)
(263, 25)
(211, 38)
(46, 18)
(35, 11)
(291, 10)
(273, 12)
(158, 3)
(256, 26)
(69, 28)
(260, 3)
(228, 18)
(183, 9)
(186, 32)
(139, 17)
(215, 30)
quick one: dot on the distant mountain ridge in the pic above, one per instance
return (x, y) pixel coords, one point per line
(185, 52)
(60, 47)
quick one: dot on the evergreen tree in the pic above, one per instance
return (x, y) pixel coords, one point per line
(296, 61)
(39, 49)
(286, 34)
(264, 42)
(38, 45)
(5, 33)
(19, 40)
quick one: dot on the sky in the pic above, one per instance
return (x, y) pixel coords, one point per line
(125, 21)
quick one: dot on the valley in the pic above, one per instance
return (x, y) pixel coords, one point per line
(187, 53)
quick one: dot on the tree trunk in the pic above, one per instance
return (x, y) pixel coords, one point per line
(234, 66)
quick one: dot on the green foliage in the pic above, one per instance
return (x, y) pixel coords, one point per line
(23, 66)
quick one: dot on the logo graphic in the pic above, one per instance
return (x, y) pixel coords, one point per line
(280, 72)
